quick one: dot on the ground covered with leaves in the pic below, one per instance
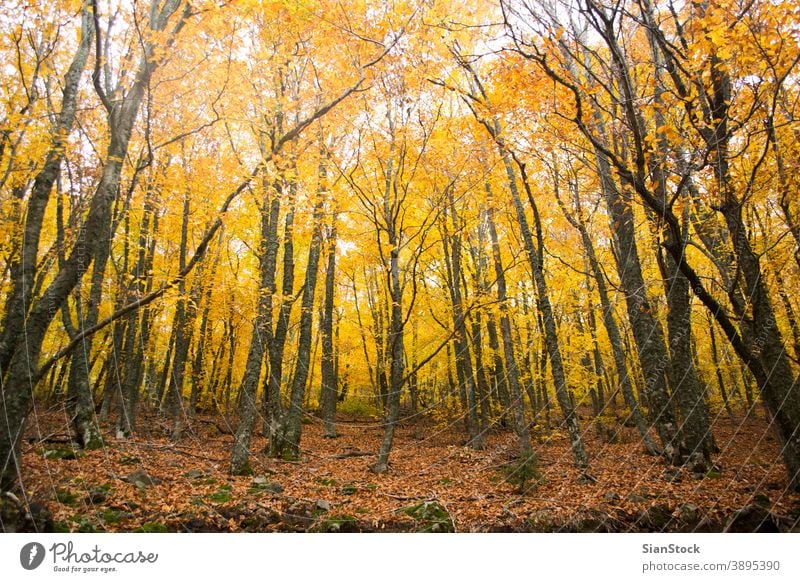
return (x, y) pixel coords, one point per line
(435, 483)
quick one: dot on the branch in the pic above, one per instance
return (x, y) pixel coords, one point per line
(98, 59)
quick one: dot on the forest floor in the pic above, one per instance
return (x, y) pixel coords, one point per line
(435, 483)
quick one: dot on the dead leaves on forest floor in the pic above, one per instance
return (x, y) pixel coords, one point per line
(150, 484)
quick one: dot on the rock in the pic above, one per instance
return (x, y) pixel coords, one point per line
(762, 500)
(262, 483)
(67, 453)
(540, 521)
(590, 521)
(752, 519)
(696, 463)
(656, 517)
(689, 513)
(323, 505)
(16, 517)
(300, 514)
(141, 478)
(97, 495)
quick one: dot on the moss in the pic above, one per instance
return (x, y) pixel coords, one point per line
(82, 524)
(431, 517)
(66, 497)
(221, 495)
(111, 516)
(348, 489)
(152, 527)
(96, 442)
(338, 523)
(245, 470)
(66, 453)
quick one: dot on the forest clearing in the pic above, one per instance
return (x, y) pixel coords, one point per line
(418, 265)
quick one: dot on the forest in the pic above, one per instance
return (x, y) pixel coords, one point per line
(409, 265)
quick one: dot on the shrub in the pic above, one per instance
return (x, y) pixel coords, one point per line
(523, 472)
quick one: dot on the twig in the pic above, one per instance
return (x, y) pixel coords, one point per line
(353, 454)
(177, 450)
(401, 497)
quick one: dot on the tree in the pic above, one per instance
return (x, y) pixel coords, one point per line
(20, 359)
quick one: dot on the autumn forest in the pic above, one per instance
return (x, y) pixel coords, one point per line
(418, 265)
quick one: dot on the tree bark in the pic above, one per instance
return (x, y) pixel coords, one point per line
(516, 402)
(543, 303)
(329, 378)
(610, 322)
(288, 439)
(262, 336)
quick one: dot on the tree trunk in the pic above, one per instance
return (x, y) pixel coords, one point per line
(543, 303)
(185, 314)
(647, 332)
(329, 379)
(23, 272)
(516, 403)
(288, 438)
(81, 400)
(610, 323)
(261, 338)
(275, 412)
(464, 368)
(200, 378)
(396, 360)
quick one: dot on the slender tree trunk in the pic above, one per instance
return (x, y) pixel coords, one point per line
(23, 271)
(200, 378)
(647, 333)
(185, 315)
(132, 362)
(544, 306)
(780, 388)
(396, 361)
(791, 316)
(80, 391)
(695, 441)
(464, 368)
(329, 378)
(516, 404)
(288, 440)
(262, 337)
(612, 328)
(275, 412)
